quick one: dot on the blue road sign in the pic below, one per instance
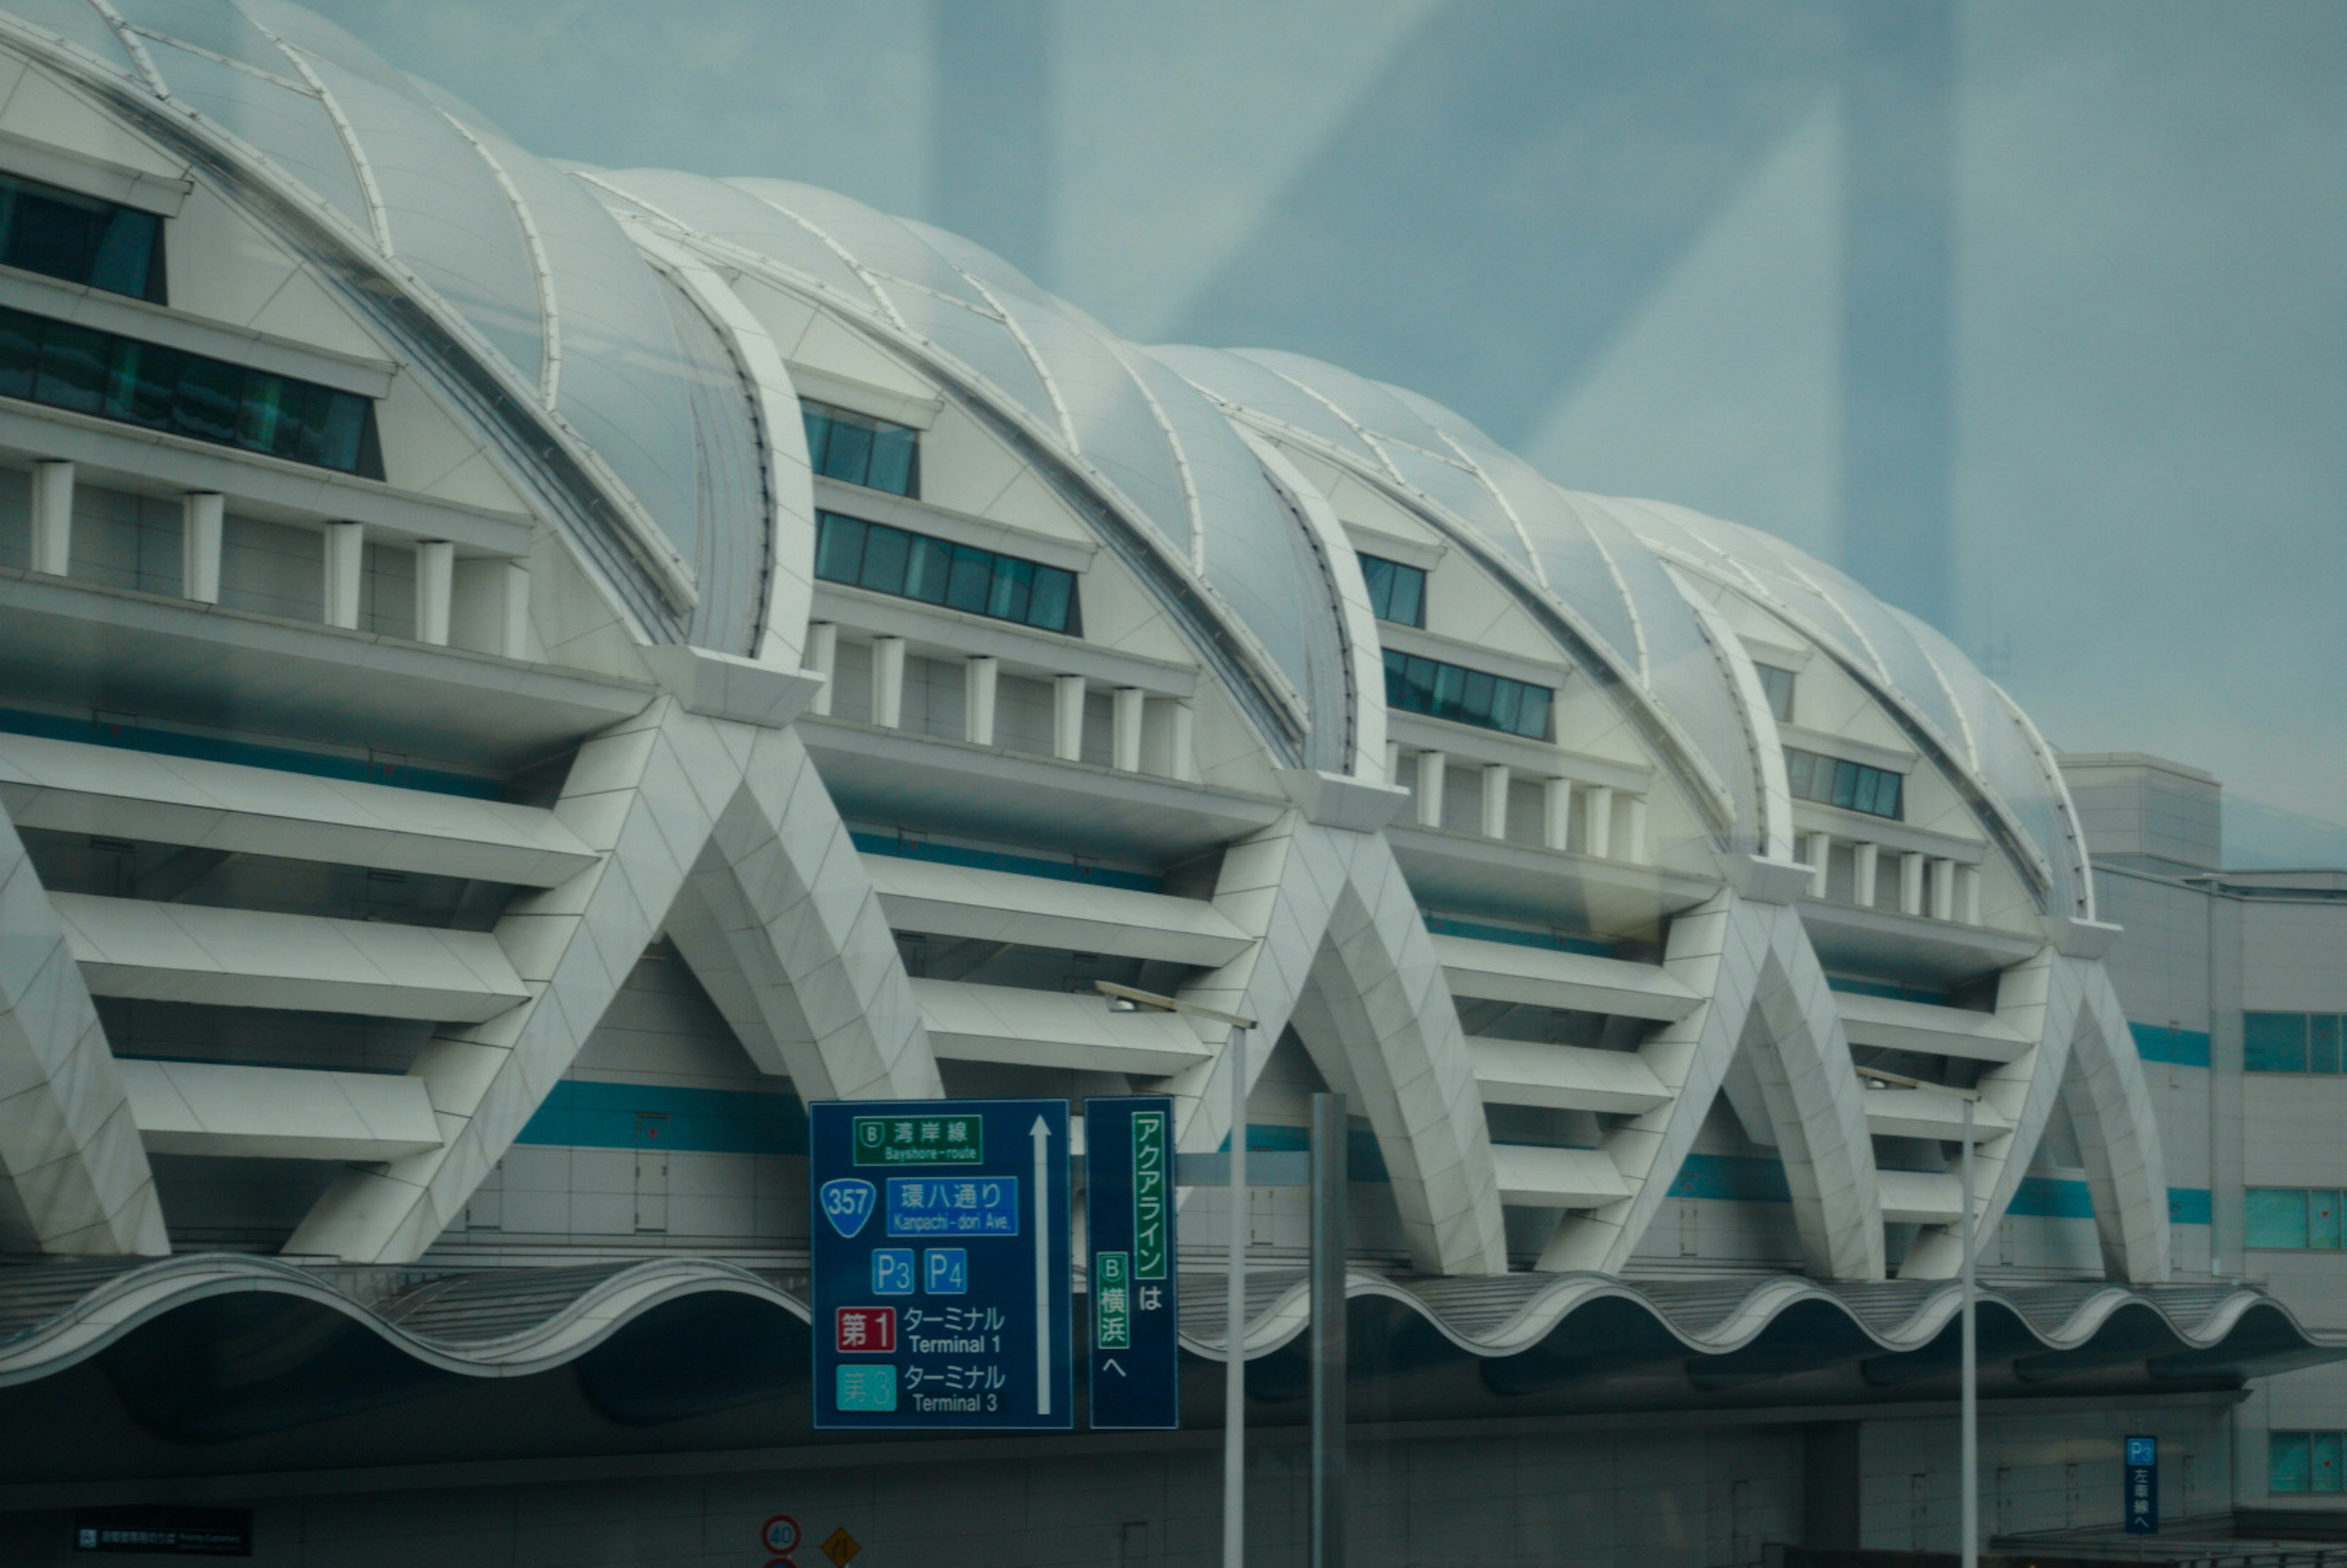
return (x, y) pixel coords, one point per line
(1129, 1211)
(941, 1265)
(2142, 1504)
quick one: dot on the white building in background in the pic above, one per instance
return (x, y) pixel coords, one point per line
(513, 678)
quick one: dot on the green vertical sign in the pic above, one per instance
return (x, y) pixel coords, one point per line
(1111, 1301)
(1150, 1195)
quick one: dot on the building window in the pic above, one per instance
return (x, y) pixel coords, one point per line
(1396, 593)
(89, 372)
(936, 572)
(2292, 1041)
(80, 238)
(1778, 685)
(2304, 1462)
(1833, 780)
(1419, 685)
(860, 450)
(2292, 1219)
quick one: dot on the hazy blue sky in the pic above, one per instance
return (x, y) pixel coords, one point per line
(2034, 315)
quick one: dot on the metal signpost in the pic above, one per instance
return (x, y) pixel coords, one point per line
(1969, 1243)
(1234, 1059)
(1129, 1227)
(941, 1265)
(2143, 1486)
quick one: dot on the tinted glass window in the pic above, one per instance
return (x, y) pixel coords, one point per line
(1836, 781)
(860, 450)
(90, 372)
(1421, 685)
(2273, 1041)
(2276, 1217)
(938, 571)
(1778, 686)
(1396, 593)
(80, 238)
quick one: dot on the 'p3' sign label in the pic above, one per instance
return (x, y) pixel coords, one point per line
(846, 1203)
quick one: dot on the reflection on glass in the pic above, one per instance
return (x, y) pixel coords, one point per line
(64, 234)
(1429, 686)
(938, 571)
(1396, 593)
(860, 450)
(89, 372)
(1837, 782)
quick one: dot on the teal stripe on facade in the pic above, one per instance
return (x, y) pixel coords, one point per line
(1551, 941)
(2184, 1047)
(1002, 860)
(593, 1114)
(211, 748)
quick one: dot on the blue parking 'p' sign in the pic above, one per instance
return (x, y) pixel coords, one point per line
(847, 1204)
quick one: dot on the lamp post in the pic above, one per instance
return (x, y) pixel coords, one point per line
(1234, 1317)
(1971, 1400)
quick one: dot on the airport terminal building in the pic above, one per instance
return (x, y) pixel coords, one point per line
(517, 679)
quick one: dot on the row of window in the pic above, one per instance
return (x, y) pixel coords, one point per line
(1396, 593)
(1836, 781)
(2294, 1219)
(89, 372)
(860, 450)
(1466, 696)
(2304, 1462)
(80, 238)
(2292, 1041)
(938, 571)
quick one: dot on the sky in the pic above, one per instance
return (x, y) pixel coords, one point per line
(2029, 315)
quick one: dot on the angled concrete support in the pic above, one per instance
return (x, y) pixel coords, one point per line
(73, 1173)
(651, 795)
(1766, 996)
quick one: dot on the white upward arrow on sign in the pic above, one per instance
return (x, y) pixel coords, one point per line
(1041, 1133)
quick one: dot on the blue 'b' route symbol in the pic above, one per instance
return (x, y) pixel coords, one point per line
(847, 1204)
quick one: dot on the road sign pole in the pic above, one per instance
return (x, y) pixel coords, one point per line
(1328, 1417)
(1972, 1369)
(1235, 1321)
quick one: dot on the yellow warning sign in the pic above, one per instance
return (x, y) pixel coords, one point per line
(841, 1547)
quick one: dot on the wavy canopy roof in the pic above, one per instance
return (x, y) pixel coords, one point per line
(528, 268)
(204, 1349)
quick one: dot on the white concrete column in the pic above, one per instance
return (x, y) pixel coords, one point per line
(822, 656)
(1866, 863)
(1556, 813)
(1943, 889)
(1181, 742)
(981, 673)
(489, 606)
(1125, 729)
(888, 682)
(1598, 818)
(1817, 854)
(1968, 895)
(1067, 718)
(1633, 829)
(435, 572)
(1393, 761)
(345, 556)
(1910, 885)
(201, 516)
(1495, 800)
(53, 491)
(1430, 765)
